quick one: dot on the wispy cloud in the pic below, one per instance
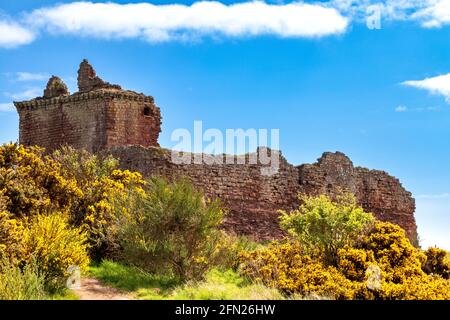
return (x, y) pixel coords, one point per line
(401, 109)
(436, 85)
(7, 107)
(428, 13)
(26, 94)
(13, 35)
(28, 76)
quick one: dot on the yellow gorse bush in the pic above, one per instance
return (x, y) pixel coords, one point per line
(107, 194)
(437, 263)
(353, 262)
(90, 188)
(339, 251)
(288, 268)
(33, 183)
(284, 266)
(11, 234)
(55, 246)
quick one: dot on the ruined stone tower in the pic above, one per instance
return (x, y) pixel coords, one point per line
(104, 117)
(97, 117)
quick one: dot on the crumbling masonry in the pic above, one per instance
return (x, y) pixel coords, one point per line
(102, 117)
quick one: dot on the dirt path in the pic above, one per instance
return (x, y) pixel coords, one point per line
(92, 289)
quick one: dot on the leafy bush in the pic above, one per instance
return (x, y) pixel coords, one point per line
(55, 246)
(20, 284)
(228, 249)
(173, 229)
(323, 225)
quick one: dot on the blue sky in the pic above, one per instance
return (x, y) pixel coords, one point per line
(382, 96)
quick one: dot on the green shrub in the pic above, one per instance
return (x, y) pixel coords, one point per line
(323, 225)
(228, 249)
(172, 229)
(20, 284)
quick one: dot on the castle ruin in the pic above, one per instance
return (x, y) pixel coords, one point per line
(97, 117)
(102, 117)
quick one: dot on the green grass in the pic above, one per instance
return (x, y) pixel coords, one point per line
(228, 285)
(218, 285)
(129, 278)
(64, 294)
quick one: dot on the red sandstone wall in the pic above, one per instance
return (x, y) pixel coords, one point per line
(253, 199)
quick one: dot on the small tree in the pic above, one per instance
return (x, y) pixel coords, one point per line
(323, 226)
(172, 229)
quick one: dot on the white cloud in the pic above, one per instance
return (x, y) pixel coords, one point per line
(13, 35)
(167, 22)
(435, 85)
(7, 107)
(28, 76)
(401, 109)
(175, 21)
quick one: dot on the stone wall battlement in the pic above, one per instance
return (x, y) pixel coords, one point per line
(76, 97)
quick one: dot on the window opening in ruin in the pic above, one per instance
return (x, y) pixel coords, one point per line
(147, 111)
